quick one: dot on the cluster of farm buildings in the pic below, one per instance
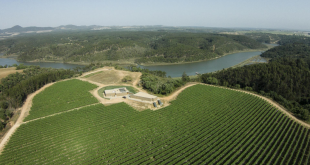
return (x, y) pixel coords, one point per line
(140, 96)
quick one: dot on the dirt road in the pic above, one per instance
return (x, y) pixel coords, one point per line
(273, 103)
(24, 112)
(137, 105)
(174, 95)
(96, 70)
(27, 105)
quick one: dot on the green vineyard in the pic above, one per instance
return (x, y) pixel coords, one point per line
(60, 97)
(205, 125)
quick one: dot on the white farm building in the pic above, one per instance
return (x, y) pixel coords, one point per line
(144, 96)
(116, 92)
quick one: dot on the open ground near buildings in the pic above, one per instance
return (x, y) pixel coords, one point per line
(204, 124)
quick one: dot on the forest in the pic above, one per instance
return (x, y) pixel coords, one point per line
(157, 82)
(286, 78)
(277, 38)
(143, 47)
(15, 88)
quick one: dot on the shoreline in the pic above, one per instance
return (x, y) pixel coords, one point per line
(143, 64)
(180, 63)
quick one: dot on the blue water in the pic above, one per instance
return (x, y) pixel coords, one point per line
(171, 70)
(9, 61)
(205, 66)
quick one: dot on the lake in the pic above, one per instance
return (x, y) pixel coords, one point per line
(205, 66)
(171, 70)
(10, 61)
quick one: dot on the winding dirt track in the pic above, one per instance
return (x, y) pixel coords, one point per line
(175, 94)
(28, 103)
(273, 103)
(23, 113)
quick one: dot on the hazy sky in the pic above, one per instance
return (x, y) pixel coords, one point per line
(284, 14)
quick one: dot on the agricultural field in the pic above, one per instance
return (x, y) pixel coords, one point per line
(217, 126)
(60, 97)
(112, 76)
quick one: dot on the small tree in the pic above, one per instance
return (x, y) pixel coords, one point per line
(2, 114)
(1, 126)
(185, 78)
(304, 114)
(4, 104)
(237, 86)
(212, 80)
(248, 88)
(9, 113)
(127, 79)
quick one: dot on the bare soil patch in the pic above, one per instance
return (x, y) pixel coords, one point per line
(111, 76)
(6, 71)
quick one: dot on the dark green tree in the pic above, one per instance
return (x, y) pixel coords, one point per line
(185, 78)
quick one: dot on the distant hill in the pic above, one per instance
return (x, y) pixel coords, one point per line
(74, 27)
(143, 47)
(19, 29)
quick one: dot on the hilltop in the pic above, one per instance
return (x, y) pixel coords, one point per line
(222, 127)
(19, 29)
(127, 46)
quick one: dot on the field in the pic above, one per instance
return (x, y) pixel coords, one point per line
(92, 74)
(217, 126)
(6, 71)
(60, 97)
(111, 76)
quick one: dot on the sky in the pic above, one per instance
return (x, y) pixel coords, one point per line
(273, 14)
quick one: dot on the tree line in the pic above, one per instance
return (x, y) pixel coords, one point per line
(286, 78)
(145, 47)
(15, 88)
(157, 82)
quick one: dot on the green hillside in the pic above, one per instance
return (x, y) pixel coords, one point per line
(217, 126)
(60, 97)
(285, 78)
(19, 29)
(143, 47)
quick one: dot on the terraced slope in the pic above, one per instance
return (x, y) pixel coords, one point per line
(205, 124)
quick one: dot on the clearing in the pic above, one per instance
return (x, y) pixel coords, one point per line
(111, 76)
(6, 71)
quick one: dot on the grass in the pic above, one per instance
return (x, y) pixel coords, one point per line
(129, 88)
(216, 126)
(4, 72)
(92, 74)
(60, 97)
(112, 76)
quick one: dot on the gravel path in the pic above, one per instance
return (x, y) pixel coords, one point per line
(24, 112)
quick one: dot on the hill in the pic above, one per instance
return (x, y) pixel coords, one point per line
(293, 51)
(285, 78)
(222, 127)
(281, 39)
(139, 47)
(19, 29)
